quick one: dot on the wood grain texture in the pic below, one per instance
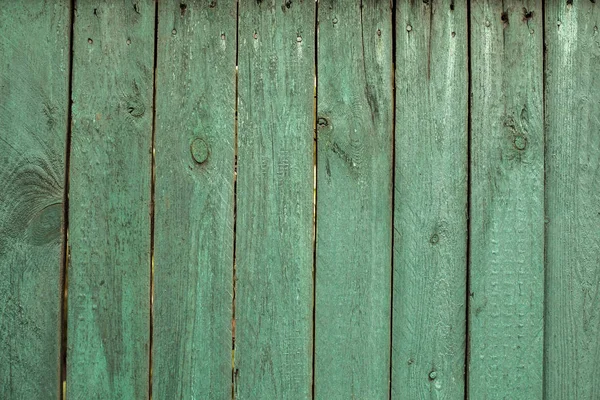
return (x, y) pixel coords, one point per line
(507, 201)
(34, 96)
(193, 241)
(572, 200)
(110, 179)
(430, 202)
(274, 235)
(354, 200)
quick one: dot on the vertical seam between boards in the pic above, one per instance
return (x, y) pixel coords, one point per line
(65, 238)
(468, 210)
(315, 175)
(152, 200)
(393, 199)
(234, 229)
(544, 63)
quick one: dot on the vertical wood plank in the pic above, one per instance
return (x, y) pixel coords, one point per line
(193, 241)
(34, 74)
(430, 202)
(110, 178)
(274, 235)
(354, 200)
(572, 200)
(507, 201)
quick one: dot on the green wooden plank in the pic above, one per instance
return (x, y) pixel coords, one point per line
(572, 91)
(109, 208)
(430, 202)
(274, 235)
(354, 200)
(193, 230)
(507, 201)
(34, 96)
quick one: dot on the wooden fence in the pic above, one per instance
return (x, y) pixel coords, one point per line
(283, 199)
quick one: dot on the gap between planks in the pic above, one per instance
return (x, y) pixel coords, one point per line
(152, 200)
(65, 249)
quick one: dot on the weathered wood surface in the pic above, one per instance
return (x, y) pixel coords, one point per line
(380, 307)
(34, 77)
(572, 336)
(193, 240)
(109, 208)
(430, 202)
(274, 235)
(354, 200)
(507, 201)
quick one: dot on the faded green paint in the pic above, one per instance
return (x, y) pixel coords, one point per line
(354, 200)
(572, 201)
(506, 308)
(430, 202)
(362, 331)
(109, 201)
(274, 235)
(34, 74)
(193, 234)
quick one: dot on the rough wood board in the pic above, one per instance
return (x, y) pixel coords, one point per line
(507, 201)
(274, 250)
(572, 201)
(430, 219)
(34, 74)
(354, 200)
(193, 241)
(109, 213)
